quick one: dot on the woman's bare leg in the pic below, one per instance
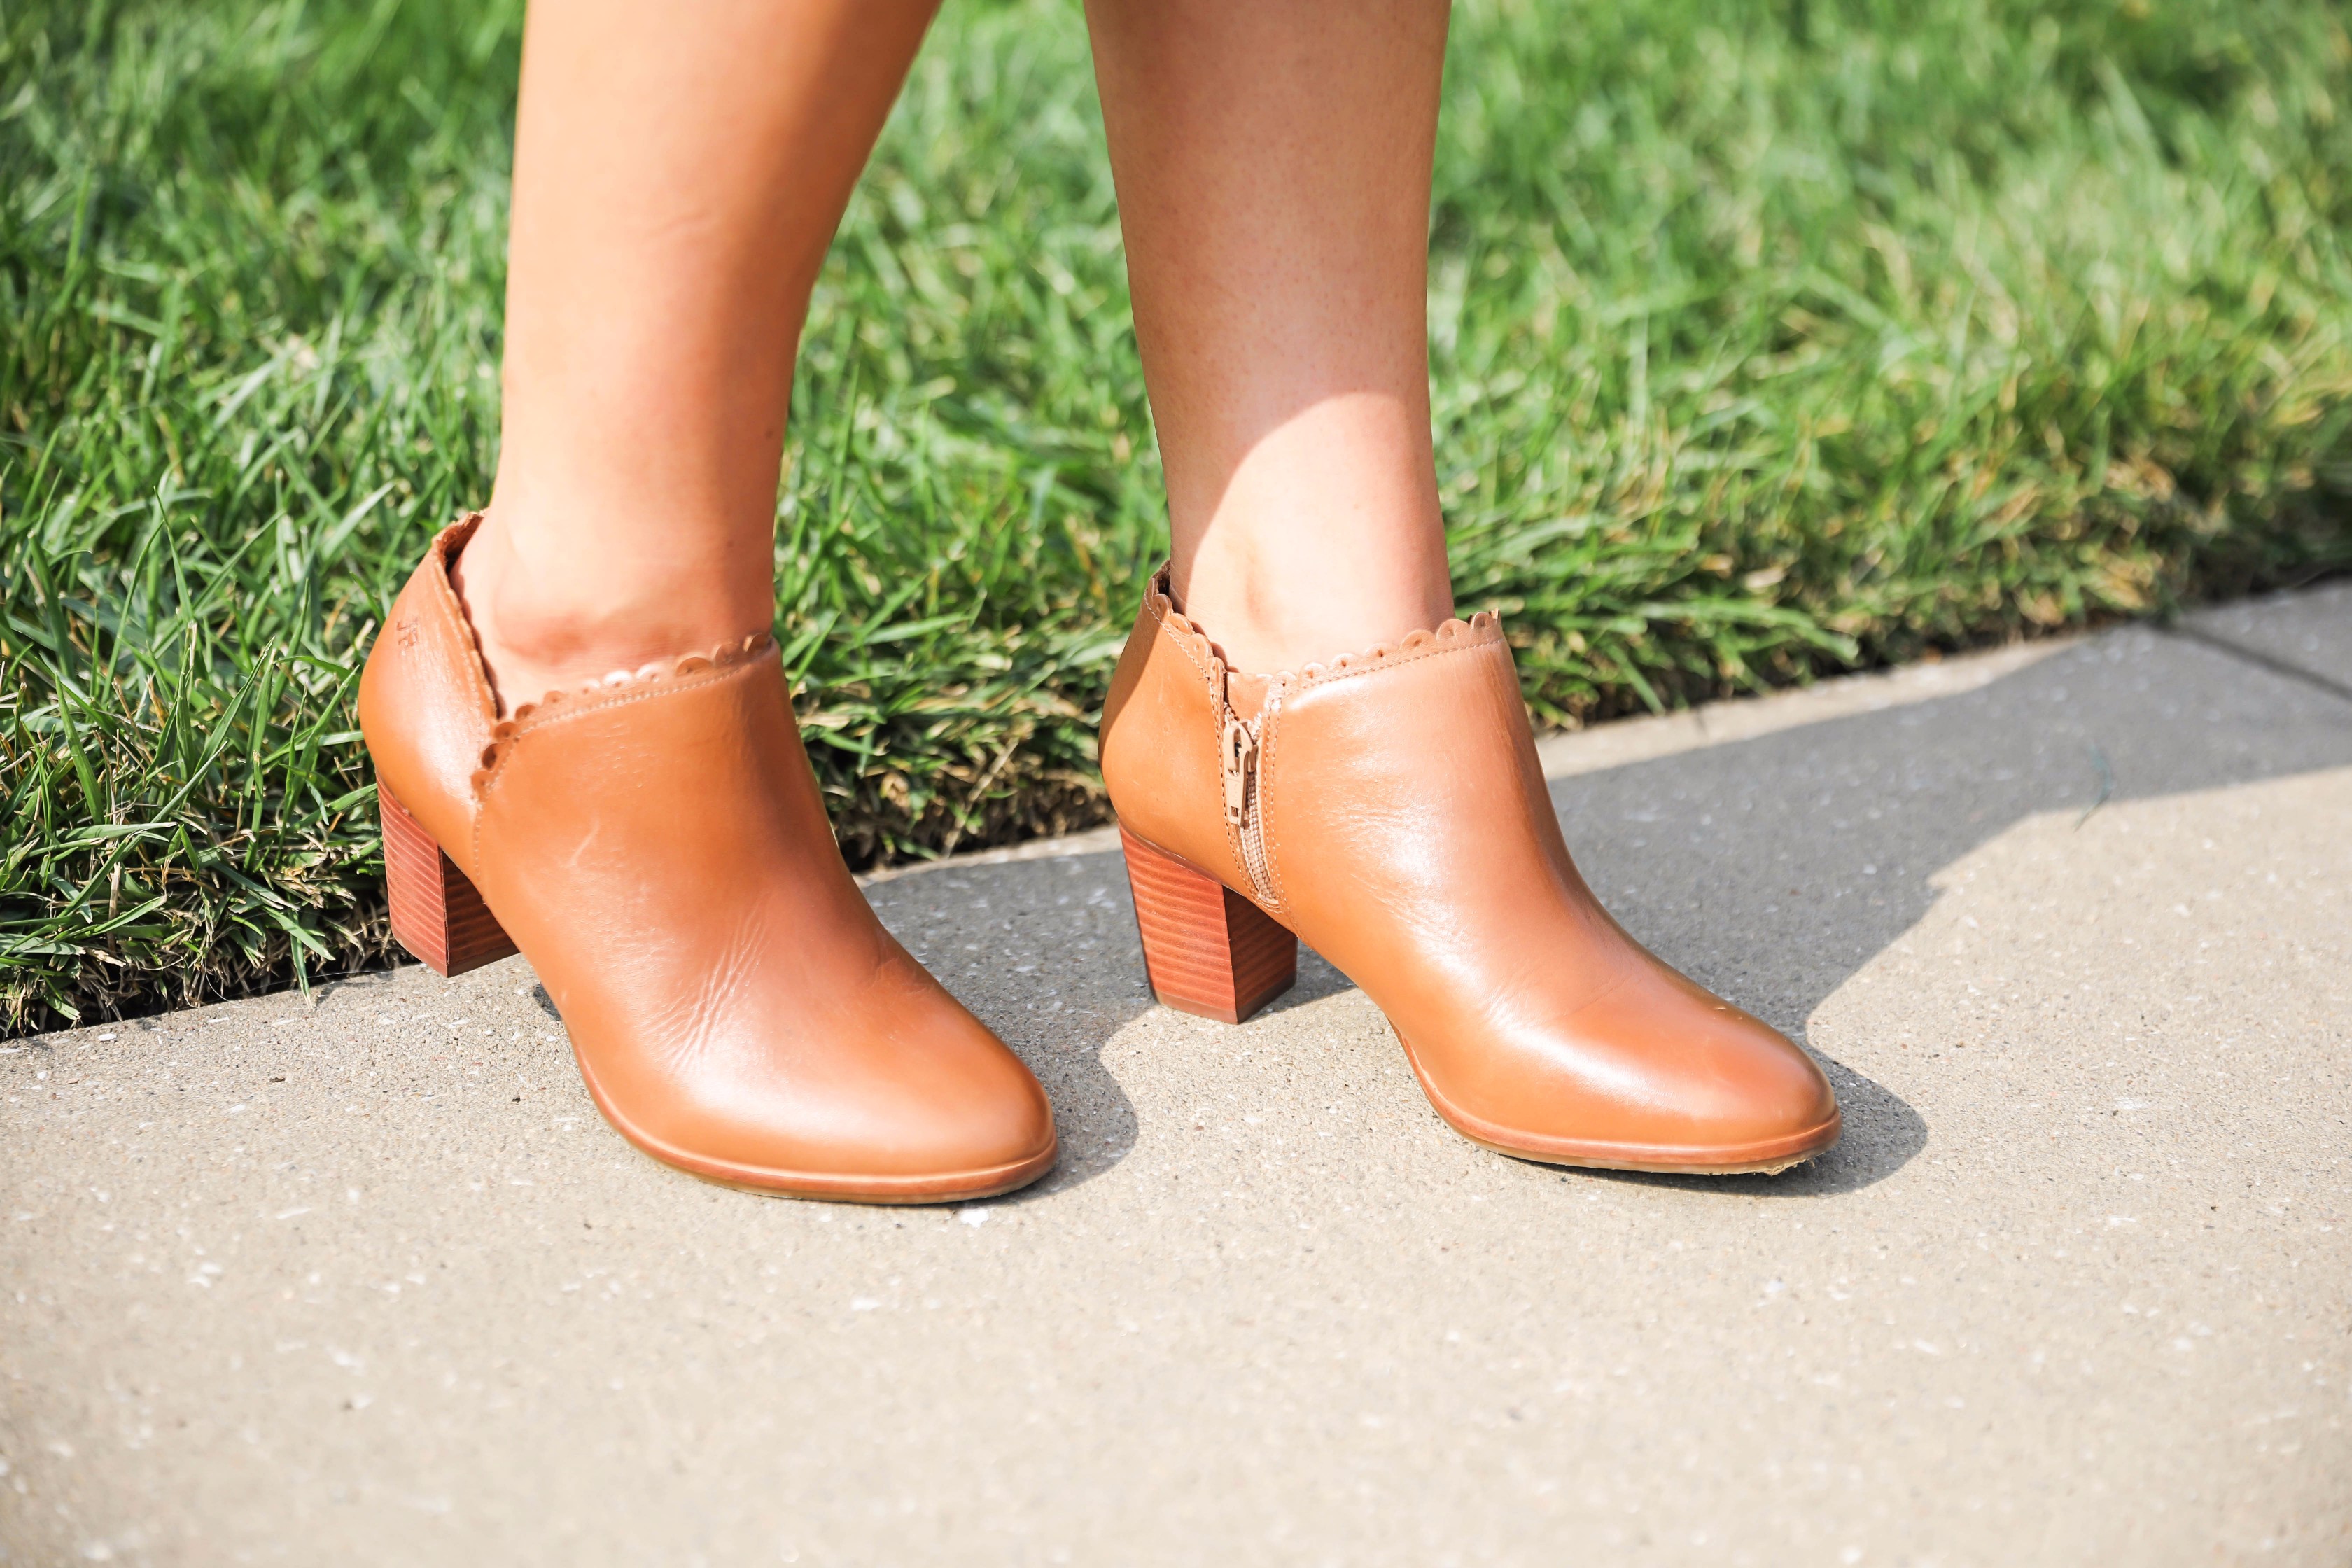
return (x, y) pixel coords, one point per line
(1272, 161)
(679, 175)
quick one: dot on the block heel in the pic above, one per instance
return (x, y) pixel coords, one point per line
(436, 914)
(1207, 950)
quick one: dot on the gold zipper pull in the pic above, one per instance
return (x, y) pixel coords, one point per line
(1235, 744)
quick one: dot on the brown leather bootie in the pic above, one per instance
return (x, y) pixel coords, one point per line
(656, 846)
(1388, 808)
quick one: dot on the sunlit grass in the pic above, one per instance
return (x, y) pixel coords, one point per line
(1769, 341)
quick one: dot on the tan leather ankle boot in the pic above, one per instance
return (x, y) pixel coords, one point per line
(656, 846)
(1388, 809)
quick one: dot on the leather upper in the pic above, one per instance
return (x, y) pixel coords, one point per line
(1409, 838)
(425, 707)
(658, 848)
(1159, 730)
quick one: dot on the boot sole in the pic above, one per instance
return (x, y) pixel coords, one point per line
(1765, 1158)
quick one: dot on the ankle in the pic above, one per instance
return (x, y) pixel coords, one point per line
(1283, 616)
(545, 628)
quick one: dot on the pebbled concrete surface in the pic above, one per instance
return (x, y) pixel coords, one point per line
(2302, 635)
(366, 1281)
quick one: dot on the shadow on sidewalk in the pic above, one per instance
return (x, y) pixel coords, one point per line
(1773, 870)
(1769, 869)
(1045, 953)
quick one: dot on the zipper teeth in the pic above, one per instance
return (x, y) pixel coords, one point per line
(1253, 855)
(1253, 810)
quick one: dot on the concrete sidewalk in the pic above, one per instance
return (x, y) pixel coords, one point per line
(368, 1281)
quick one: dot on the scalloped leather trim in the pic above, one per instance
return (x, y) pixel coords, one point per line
(1483, 628)
(1181, 628)
(621, 683)
(445, 547)
(1480, 629)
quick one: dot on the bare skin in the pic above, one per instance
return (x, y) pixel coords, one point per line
(1273, 163)
(676, 188)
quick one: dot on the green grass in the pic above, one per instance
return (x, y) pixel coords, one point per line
(1770, 341)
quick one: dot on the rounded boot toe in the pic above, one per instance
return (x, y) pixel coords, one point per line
(1721, 1088)
(1656, 1075)
(897, 1094)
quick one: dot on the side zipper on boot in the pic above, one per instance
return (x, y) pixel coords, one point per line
(1238, 751)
